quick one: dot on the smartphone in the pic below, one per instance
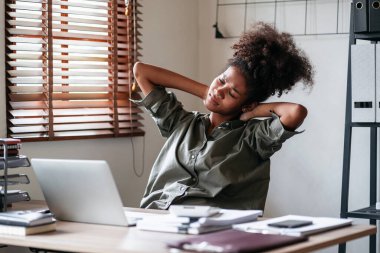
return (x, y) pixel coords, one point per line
(290, 223)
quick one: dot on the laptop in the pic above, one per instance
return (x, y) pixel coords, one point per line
(81, 191)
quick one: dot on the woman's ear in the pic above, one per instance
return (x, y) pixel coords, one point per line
(246, 108)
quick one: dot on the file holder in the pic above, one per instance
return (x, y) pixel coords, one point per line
(15, 179)
(7, 162)
(5, 156)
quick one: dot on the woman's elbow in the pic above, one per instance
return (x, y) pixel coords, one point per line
(300, 112)
(137, 69)
(295, 117)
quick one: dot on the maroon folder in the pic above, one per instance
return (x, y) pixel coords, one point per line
(234, 241)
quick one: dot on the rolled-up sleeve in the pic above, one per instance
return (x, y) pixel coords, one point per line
(269, 136)
(165, 109)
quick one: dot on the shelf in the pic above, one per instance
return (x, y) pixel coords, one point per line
(368, 36)
(15, 162)
(365, 213)
(364, 124)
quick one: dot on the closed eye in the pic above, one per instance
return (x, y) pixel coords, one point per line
(230, 93)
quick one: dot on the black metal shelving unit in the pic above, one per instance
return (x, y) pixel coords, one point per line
(369, 212)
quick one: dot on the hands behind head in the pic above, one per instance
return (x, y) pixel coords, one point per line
(248, 111)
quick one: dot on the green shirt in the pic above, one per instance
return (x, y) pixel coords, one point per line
(228, 168)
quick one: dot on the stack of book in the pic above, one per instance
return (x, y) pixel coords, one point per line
(221, 220)
(26, 222)
(13, 146)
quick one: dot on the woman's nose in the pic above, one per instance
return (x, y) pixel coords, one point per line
(220, 92)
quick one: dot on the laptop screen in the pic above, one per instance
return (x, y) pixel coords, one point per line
(80, 190)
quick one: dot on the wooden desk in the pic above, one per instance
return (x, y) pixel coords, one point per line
(90, 238)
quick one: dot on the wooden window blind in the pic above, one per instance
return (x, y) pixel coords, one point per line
(69, 69)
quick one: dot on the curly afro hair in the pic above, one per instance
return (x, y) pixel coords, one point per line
(270, 62)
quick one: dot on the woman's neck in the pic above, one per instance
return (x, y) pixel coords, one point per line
(216, 119)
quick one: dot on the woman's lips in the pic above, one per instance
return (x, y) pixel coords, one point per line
(213, 99)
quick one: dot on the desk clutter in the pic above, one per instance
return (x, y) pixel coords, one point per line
(10, 157)
(26, 222)
(188, 219)
(235, 231)
(234, 241)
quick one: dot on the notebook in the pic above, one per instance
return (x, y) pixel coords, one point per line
(81, 191)
(234, 241)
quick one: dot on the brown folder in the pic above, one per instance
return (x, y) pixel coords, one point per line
(234, 241)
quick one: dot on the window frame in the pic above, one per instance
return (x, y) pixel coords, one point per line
(61, 114)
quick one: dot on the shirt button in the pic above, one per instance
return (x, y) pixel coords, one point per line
(194, 179)
(192, 156)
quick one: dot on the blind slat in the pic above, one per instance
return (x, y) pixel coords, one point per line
(24, 73)
(34, 89)
(65, 96)
(32, 64)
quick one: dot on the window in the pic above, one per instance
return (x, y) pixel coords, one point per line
(69, 69)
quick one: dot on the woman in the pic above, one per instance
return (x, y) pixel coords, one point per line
(222, 158)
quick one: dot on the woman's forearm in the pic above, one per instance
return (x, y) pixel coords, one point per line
(148, 76)
(291, 115)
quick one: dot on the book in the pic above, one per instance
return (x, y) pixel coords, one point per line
(22, 230)
(13, 146)
(234, 241)
(26, 218)
(11, 152)
(319, 224)
(9, 141)
(191, 225)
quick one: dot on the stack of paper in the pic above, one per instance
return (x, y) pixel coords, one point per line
(319, 224)
(189, 225)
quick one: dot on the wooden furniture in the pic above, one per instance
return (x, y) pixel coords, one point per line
(91, 238)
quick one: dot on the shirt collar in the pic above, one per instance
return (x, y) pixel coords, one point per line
(227, 125)
(233, 124)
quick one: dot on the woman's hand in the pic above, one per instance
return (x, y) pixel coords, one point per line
(291, 115)
(248, 111)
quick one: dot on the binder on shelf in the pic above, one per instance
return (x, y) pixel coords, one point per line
(374, 16)
(363, 83)
(377, 82)
(360, 16)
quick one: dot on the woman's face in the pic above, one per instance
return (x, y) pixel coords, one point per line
(227, 93)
